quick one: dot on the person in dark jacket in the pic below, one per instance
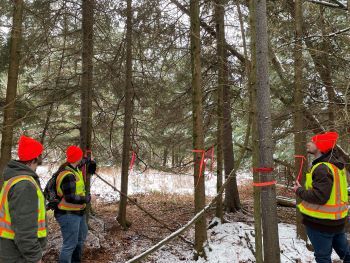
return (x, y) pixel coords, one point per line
(70, 213)
(23, 237)
(324, 198)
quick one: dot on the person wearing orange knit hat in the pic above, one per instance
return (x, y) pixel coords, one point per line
(70, 213)
(22, 206)
(324, 199)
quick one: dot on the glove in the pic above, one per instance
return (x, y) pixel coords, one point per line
(91, 167)
(88, 198)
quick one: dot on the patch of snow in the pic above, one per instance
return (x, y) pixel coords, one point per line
(234, 242)
(147, 182)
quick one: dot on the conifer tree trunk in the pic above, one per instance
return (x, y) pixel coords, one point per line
(300, 135)
(255, 136)
(127, 120)
(221, 57)
(87, 83)
(11, 91)
(326, 71)
(58, 77)
(232, 201)
(198, 136)
(268, 193)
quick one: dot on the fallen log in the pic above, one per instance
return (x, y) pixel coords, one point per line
(286, 202)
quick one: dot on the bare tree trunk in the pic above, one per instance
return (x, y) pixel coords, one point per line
(50, 110)
(299, 133)
(232, 200)
(165, 157)
(255, 139)
(198, 135)
(268, 194)
(221, 56)
(87, 84)
(249, 85)
(127, 120)
(325, 72)
(11, 91)
(172, 156)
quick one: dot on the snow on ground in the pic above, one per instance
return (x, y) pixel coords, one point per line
(227, 243)
(234, 243)
(149, 181)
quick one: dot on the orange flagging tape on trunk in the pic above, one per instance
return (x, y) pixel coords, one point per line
(262, 169)
(202, 163)
(264, 184)
(302, 157)
(132, 162)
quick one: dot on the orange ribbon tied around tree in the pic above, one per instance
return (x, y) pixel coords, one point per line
(263, 170)
(133, 158)
(202, 162)
(87, 154)
(302, 157)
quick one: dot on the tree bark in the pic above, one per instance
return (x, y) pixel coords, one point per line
(325, 72)
(127, 120)
(255, 139)
(221, 57)
(198, 135)
(299, 127)
(165, 157)
(50, 110)
(268, 194)
(87, 84)
(11, 91)
(232, 200)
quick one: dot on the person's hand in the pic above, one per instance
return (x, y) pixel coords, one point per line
(88, 198)
(92, 167)
(40, 261)
(296, 186)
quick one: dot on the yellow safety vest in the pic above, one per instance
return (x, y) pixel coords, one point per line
(337, 206)
(79, 189)
(6, 230)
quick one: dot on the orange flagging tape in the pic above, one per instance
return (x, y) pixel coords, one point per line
(263, 169)
(264, 184)
(302, 157)
(133, 158)
(202, 163)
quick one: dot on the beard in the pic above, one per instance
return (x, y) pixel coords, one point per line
(311, 152)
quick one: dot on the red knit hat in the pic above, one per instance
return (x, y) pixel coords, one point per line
(74, 154)
(325, 141)
(28, 148)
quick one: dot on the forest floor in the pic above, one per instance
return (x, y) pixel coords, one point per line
(229, 242)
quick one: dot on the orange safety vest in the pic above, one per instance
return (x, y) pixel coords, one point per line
(337, 206)
(6, 230)
(79, 189)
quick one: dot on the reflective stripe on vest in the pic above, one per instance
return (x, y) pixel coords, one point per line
(6, 230)
(79, 190)
(337, 206)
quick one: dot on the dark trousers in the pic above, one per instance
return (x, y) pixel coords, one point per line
(74, 231)
(323, 243)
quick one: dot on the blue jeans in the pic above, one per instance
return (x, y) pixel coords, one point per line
(74, 231)
(323, 243)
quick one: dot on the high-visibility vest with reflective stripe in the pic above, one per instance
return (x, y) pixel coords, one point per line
(6, 230)
(79, 189)
(337, 206)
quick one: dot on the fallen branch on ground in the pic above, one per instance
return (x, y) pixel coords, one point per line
(143, 209)
(175, 234)
(284, 201)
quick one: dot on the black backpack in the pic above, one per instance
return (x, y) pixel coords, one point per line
(50, 193)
